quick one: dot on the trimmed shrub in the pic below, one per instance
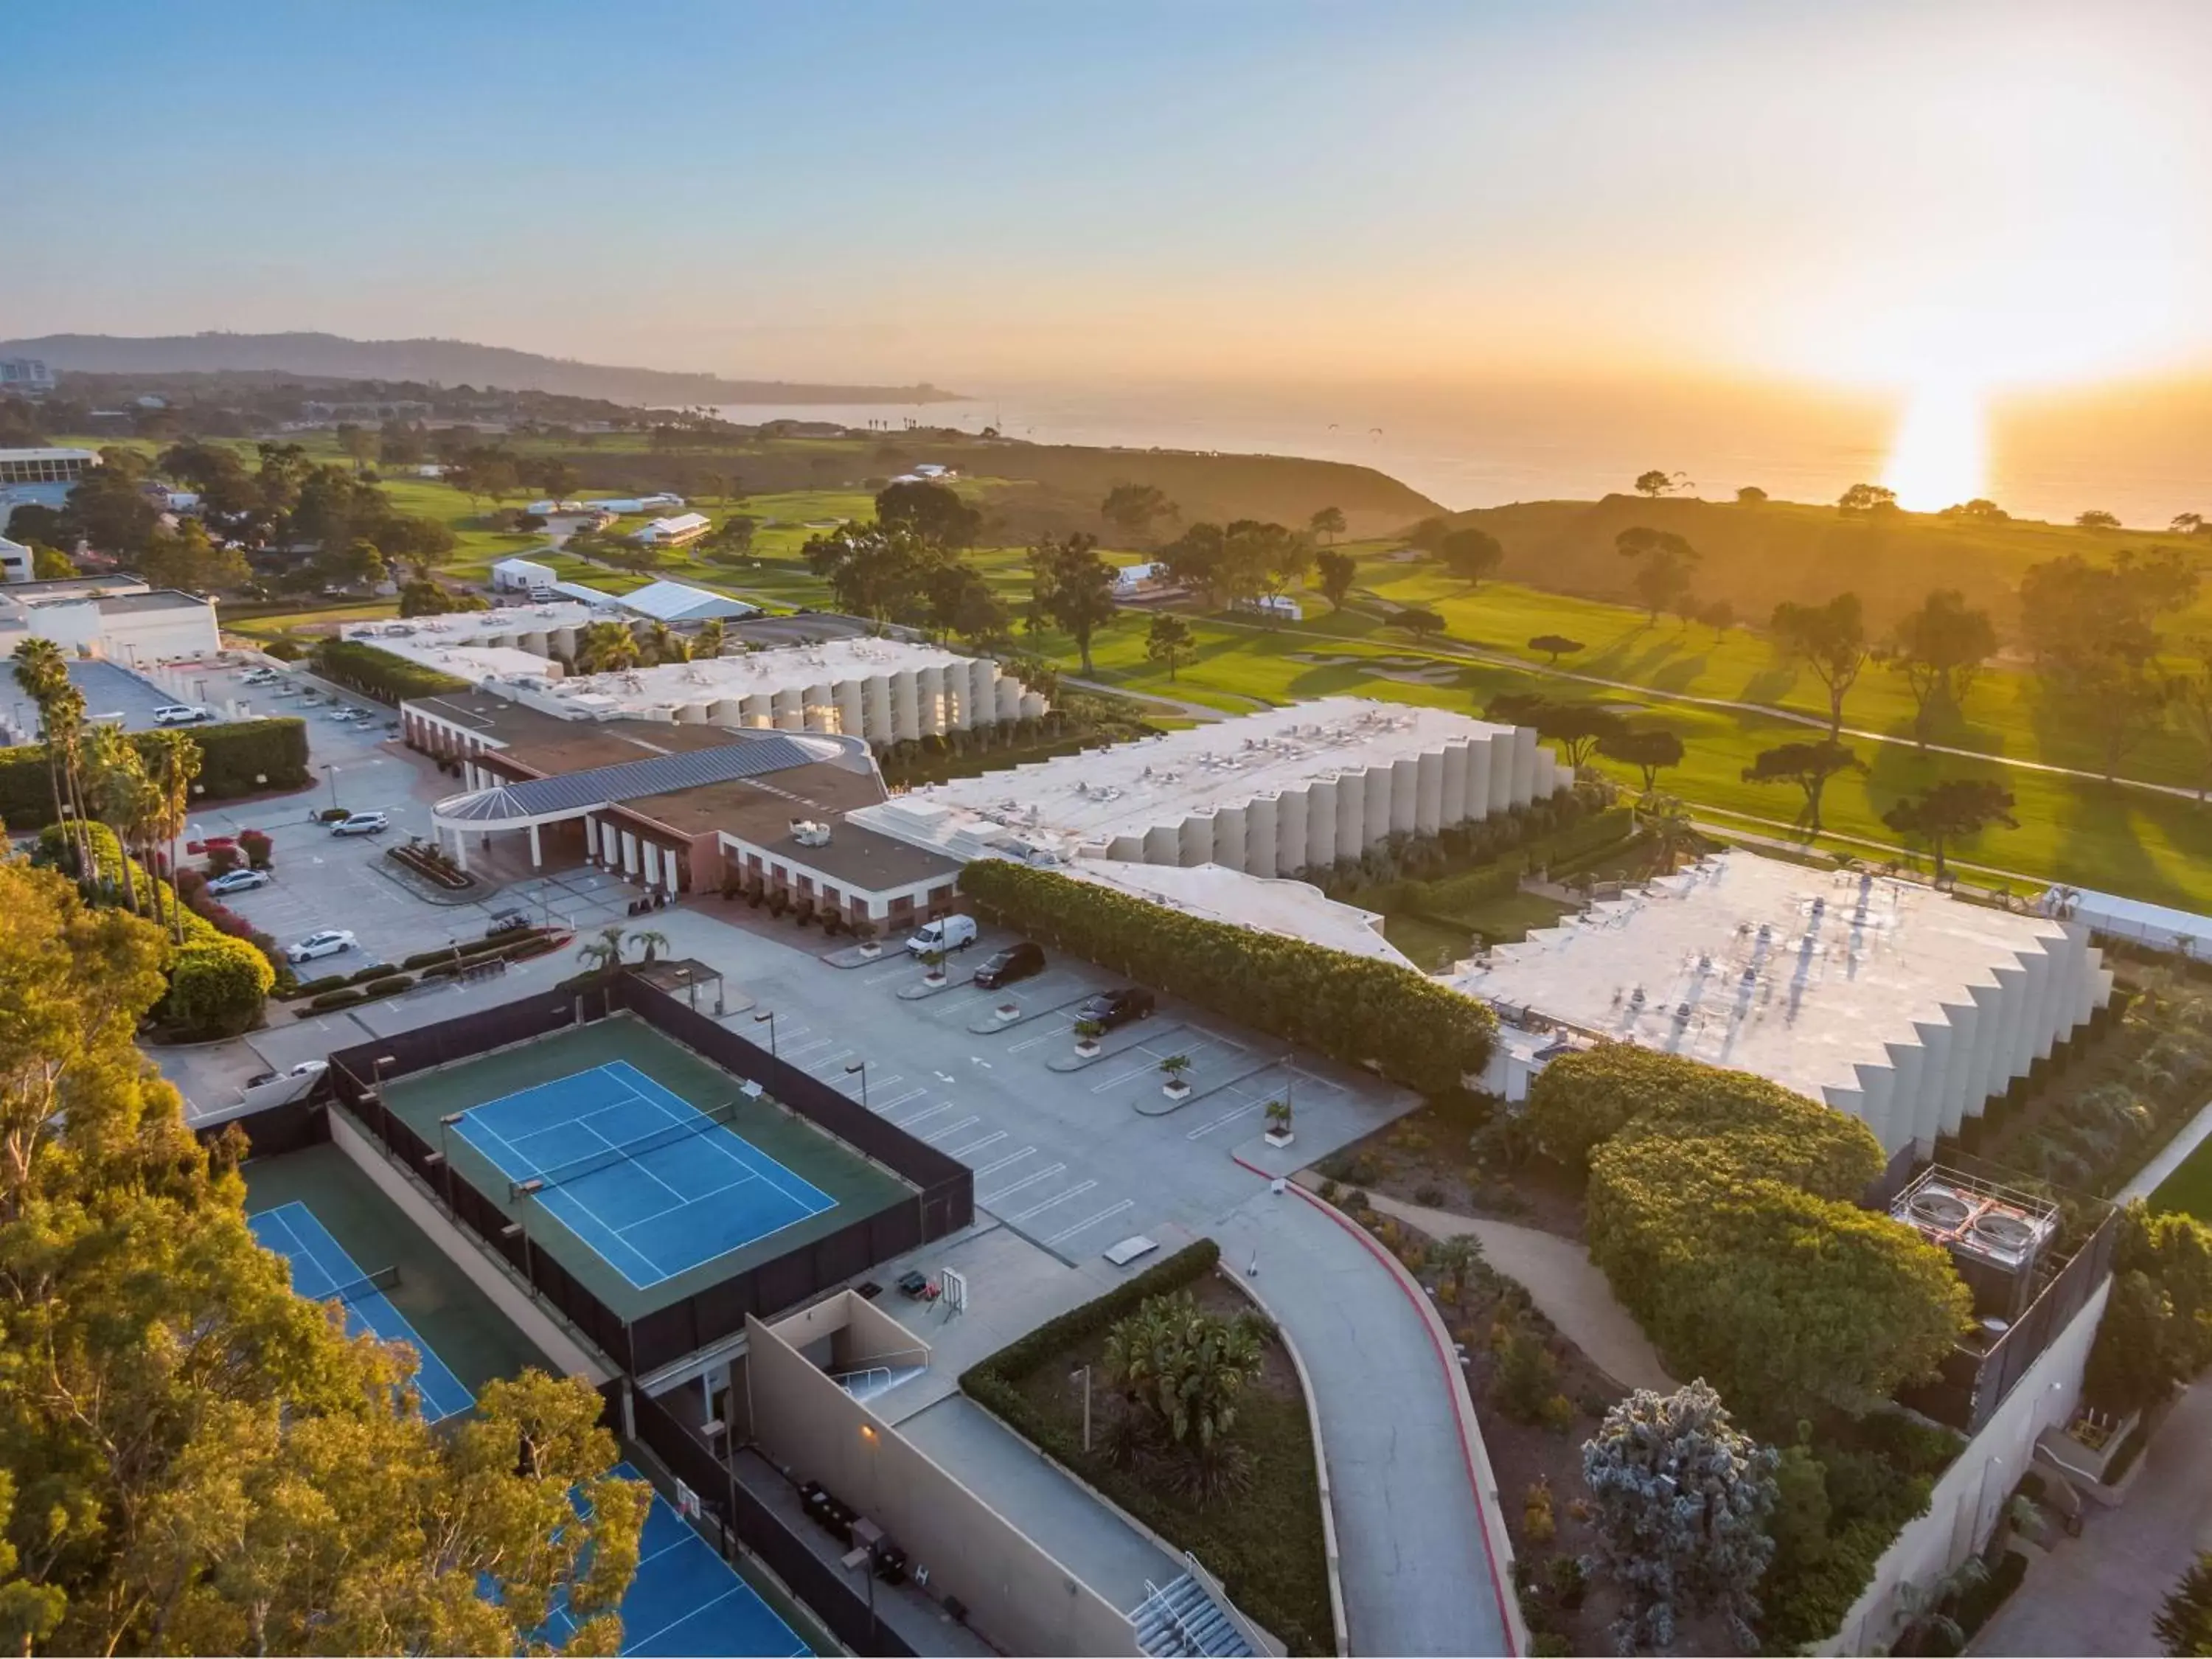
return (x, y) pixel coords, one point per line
(374, 971)
(217, 987)
(1405, 1024)
(391, 985)
(232, 758)
(281, 650)
(317, 987)
(1720, 1206)
(257, 845)
(342, 998)
(382, 675)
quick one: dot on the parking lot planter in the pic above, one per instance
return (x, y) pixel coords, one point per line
(1172, 1068)
(1007, 1010)
(1278, 1134)
(1087, 1033)
(933, 963)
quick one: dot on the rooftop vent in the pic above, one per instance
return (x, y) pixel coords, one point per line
(809, 832)
(1995, 1235)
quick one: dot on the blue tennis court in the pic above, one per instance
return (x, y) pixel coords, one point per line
(321, 1269)
(647, 1179)
(685, 1599)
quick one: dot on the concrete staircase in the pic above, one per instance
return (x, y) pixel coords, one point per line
(865, 1385)
(1183, 1619)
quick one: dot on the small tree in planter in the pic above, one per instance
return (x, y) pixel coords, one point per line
(1278, 1123)
(222, 858)
(256, 846)
(865, 930)
(1172, 1068)
(1087, 1033)
(934, 962)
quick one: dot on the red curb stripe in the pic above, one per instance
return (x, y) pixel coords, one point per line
(1451, 1380)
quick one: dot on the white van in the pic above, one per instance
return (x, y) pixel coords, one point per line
(946, 934)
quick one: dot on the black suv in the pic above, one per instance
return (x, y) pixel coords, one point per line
(1111, 1008)
(1015, 962)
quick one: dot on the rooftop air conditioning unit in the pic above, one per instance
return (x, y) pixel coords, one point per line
(810, 833)
(1995, 1235)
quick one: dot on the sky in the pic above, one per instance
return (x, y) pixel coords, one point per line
(1937, 197)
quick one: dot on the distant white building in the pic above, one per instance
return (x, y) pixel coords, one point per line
(40, 478)
(522, 576)
(26, 377)
(626, 505)
(679, 531)
(676, 602)
(1132, 578)
(119, 618)
(16, 562)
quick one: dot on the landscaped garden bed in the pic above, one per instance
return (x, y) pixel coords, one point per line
(1455, 1153)
(1260, 1529)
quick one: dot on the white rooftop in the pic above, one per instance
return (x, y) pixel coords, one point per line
(1294, 909)
(1758, 965)
(677, 602)
(762, 673)
(468, 626)
(2158, 926)
(1064, 806)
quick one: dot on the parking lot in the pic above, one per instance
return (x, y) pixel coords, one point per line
(113, 694)
(1073, 1155)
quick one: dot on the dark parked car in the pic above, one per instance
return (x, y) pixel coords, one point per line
(1111, 1008)
(1015, 962)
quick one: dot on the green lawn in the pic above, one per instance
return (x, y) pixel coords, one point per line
(2190, 1187)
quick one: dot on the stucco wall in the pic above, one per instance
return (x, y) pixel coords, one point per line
(1969, 1500)
(1019, 1597)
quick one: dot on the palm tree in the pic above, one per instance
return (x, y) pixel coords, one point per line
(40, 672)
(1667, 820)
(117, 790)
(1456, 1259)
(173, 765)
(604, 951)
(664, 646)
(710, 642)
(605, 647)
(652, 940)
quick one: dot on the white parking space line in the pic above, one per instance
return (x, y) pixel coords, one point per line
(1120, 1078)
(952, 1128)
(978, 1146)
(1248, 1107)
(893, 1104)
(921, 1117)
(1089, 1222)
(1045, 1173)
(1057, 1199)
(816, 1068)
(1011, 1157)
(804, 1048)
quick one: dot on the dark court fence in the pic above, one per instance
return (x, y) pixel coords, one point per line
(943, 1201)
(276, 1130)
(831, 1595)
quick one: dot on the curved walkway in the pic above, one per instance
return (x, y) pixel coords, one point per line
(1418, 1573)
(1560, 1279)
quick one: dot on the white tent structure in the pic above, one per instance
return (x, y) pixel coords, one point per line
(2110, 916)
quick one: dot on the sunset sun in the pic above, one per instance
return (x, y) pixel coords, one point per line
(1937, 457)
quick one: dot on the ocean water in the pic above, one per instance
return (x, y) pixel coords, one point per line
(2146, 456)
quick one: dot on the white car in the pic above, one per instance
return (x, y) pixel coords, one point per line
(179, 714)
(330, 942)
(260, 677)
(361, 823)
(240, 881)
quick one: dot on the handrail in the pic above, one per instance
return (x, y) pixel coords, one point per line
(1218, 1593)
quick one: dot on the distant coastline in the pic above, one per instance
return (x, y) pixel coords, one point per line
(436, 363)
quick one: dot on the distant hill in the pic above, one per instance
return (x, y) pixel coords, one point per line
(443, 362)
(1756, 556)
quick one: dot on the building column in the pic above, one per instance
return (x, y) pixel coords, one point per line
(537, 852)
(651, 851)
(629, 853)
(461, 851)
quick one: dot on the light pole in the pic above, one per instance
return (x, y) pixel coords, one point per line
(770, 1017)
(529, 1188)
(376, 1074)
(1084, 1372)
(333, 772)
(862, 1067)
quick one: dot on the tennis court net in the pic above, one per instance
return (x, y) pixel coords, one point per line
(591, 1163)
(382, 1280)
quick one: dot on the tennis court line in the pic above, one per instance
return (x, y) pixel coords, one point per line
(637, 1162)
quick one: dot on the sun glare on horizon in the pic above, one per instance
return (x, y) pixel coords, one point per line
(1938, 457)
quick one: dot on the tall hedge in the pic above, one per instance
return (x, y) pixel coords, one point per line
(234, 758)
(1355, 1009)
(1721, 1207)
(379, 674)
